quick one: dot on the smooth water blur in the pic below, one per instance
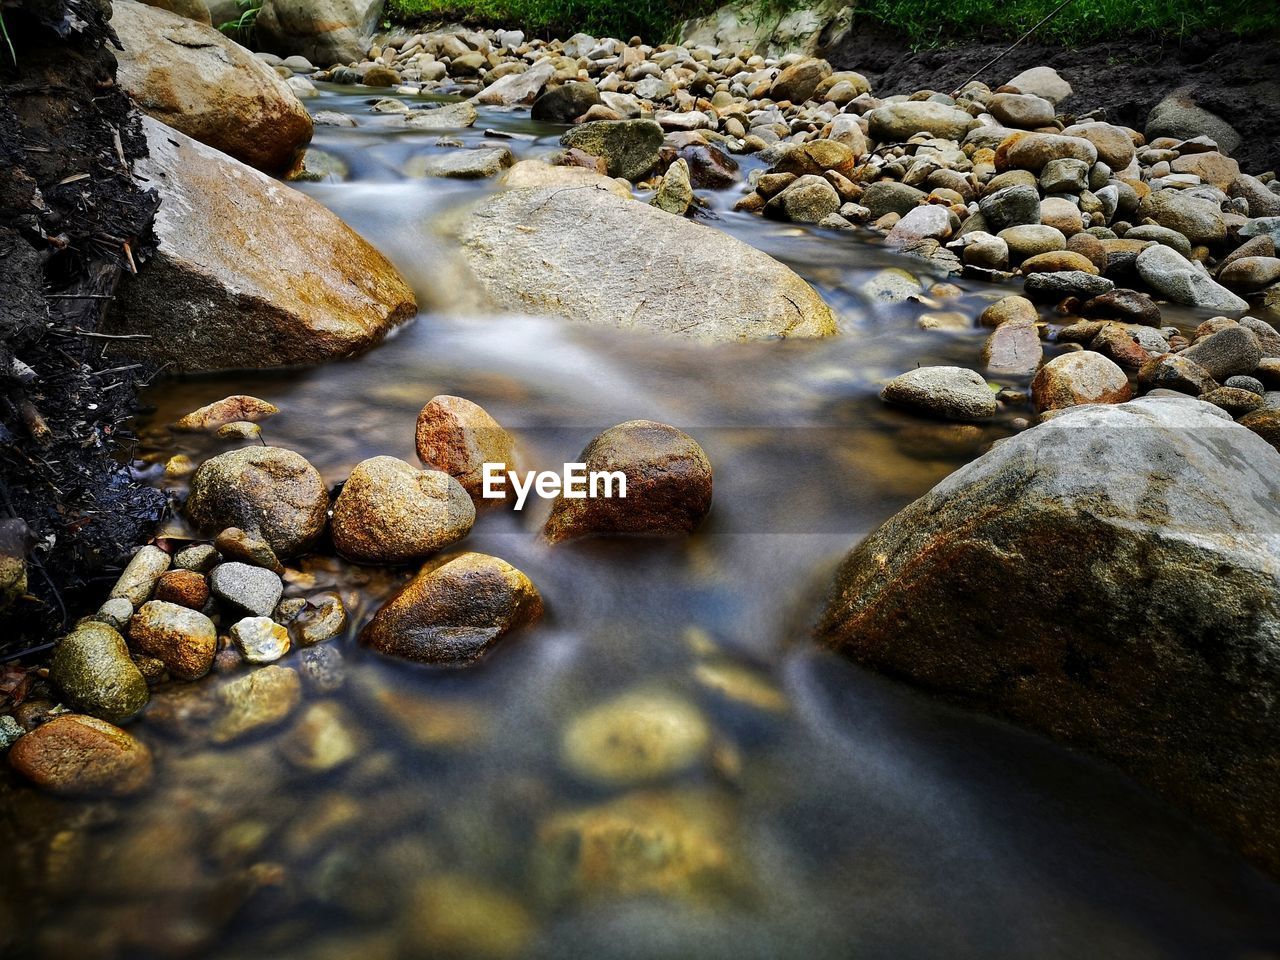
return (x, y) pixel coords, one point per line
(836, 814)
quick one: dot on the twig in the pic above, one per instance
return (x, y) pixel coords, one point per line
(114, 336)
(79, 296)
(10, 657)
(996, 59)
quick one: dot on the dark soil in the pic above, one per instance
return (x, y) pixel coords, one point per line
(1237, 79)
(71, 219)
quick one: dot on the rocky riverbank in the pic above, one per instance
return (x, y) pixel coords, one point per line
(1105, 574)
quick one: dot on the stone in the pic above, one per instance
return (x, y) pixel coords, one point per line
(1057, 261)
(535, 173)
(268, 492)
(1064, 216)
(1177, 279)
(952, 393)
(675, 191)
(200, 557)
(80, 756)
(893, 285)
(141, 575)
(1032, 239)
(452, 613)
(1008, 310)
(249, 591)
(91, 667)
(629, 148)
(1233, 400)
(244, 547)
(1042, 82)
(678, 846)
(539, 250)
(459, 437)
(1065, 175)
(635, 738)
(668, 486)
(817, 157)
(798, 82)
(1066, 283)
(1265, 422)
(1250, 274)
(1126, 540)
(1197, 219)
(449, 116)
(518, 88)
(1252, 384)
(1158, 234)
(209, 301)
(1117, 342)
(465, 164)
(183, 587)
(1079, 378)
(254, 702)
(184, 640)
(260, 639)
(323, 31)
(324, 618)
(1032, 151)
(1262, 227)
(392, 512)
(192, 78)
(1021, 110)
(887, 196)
(1211, 167)
(927, 221)
(1230, 351)
(115, 612)
(1173, 371)
(1178, 116)
(565, 103)
(808, 199)
(324, 738)
(1127, 305)
(1013, 350)
(196, 10)
(1115, 146)
(1261, 201)
(895, 122)
(227, 410)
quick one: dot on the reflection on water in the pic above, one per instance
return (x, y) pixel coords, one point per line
(406, 812)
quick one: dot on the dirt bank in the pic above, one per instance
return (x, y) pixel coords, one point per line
(1237, 79)
(71, 218)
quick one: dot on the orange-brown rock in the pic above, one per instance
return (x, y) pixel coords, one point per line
(193, 78)
(453, 612)
(83, 756)
(183, 587)
(248, 272)
(1076, 378)
(458, 437)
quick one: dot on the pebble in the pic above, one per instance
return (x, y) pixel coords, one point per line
(250, 591)
(1078, 378)
(200, 557)
(184, 640)
(952, 393)
(255, 701)
(260, 639)
(668, 486)
(227, 410)
(183, 587)
(83, 756)
(323, 739)
(92, 668)
(141, 575)
(238, 545)
(1233, 350)
(636, 738)
(115, 612)
(392, 512)
(459, 437)
(323, 619)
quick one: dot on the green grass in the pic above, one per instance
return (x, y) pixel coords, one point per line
(923, 22)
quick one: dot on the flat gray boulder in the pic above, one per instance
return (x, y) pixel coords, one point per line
(585, 254)
(1110, 578)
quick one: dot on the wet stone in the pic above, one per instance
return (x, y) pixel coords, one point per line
(953, 393)
(254, 702)
(251, 591)
(92, 668)
(83, 756)
(183, 587)
(260, 639)
(635, 738)
(140, 576)
(184, 640)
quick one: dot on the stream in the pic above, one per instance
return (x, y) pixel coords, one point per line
(836, 814)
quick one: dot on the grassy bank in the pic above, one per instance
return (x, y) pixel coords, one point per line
(923, 22)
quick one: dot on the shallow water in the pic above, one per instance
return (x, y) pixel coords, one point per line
(835, 814)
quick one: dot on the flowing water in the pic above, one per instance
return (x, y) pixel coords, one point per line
(833, 815)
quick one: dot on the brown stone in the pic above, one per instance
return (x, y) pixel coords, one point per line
(183, 587)
(458, 437)
(83, 756)
(1056, 261)
(668, 485)
(1007, 309)
(227, 410)
(184, 640)
(1013, 349)
(1076, 378)
(191, 77)
(453, 612)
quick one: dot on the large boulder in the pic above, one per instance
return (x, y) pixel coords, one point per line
(190, 76)
(593, 257)
(324, 31)
(1180, 117)
(191, 9)
(1110, 578)
(248, 272)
